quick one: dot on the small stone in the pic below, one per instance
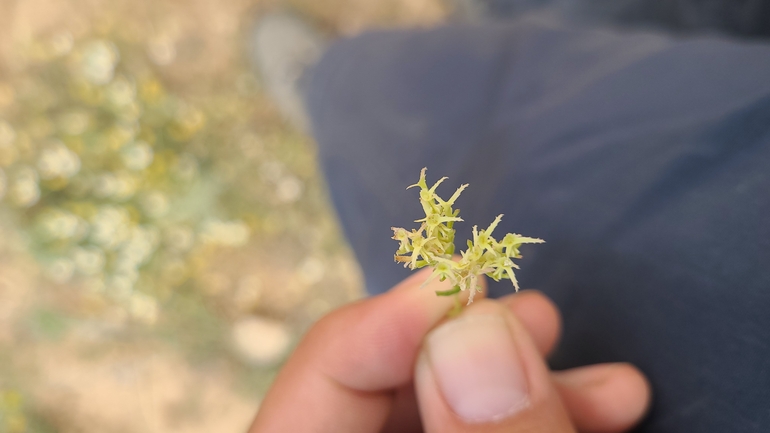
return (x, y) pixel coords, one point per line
(261, 341)
(311, 271)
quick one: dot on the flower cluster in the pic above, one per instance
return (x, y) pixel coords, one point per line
(130, 189)
(432, 244)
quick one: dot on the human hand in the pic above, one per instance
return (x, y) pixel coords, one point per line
(358, 368)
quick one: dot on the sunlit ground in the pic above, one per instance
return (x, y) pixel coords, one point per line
(165, 236)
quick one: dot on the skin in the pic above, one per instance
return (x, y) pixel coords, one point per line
(362, 369)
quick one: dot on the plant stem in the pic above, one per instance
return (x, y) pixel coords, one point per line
(457, 308)
(450, 292)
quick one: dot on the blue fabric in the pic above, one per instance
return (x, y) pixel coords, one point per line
(745, 18)
(642, 159)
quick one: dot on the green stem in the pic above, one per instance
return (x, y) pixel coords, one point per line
(458, 307)
(450, 292)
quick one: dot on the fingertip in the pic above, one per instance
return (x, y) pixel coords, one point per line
(481, 371)
(539, 315)
(631, 390)
(604, 398)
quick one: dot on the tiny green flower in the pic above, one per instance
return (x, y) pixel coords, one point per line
(432, 244)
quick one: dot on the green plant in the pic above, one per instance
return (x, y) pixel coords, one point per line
(432, 244)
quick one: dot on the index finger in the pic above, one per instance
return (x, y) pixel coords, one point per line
(342, 376)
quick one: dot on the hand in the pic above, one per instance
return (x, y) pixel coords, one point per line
(358, 368)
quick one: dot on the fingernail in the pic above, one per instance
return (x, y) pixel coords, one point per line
(477, 368)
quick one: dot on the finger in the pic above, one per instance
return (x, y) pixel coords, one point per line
(404, 415)
(539, 316)
(604, 398)
(481, 372)
(342, 376)
(594, 395)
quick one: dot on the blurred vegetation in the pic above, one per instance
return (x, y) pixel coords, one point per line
(128, 190)
(152, 201)
(130, 195)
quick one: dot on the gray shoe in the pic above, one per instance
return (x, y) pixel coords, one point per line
(283, 48)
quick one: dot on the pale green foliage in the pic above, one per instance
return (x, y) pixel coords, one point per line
(432, 244)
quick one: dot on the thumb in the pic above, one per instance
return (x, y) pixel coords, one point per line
(481, 372)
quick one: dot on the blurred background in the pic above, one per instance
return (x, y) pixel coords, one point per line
(165, 236)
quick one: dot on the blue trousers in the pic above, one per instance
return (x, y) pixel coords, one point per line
(642, 158)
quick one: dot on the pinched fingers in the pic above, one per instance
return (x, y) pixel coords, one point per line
(343, 375)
